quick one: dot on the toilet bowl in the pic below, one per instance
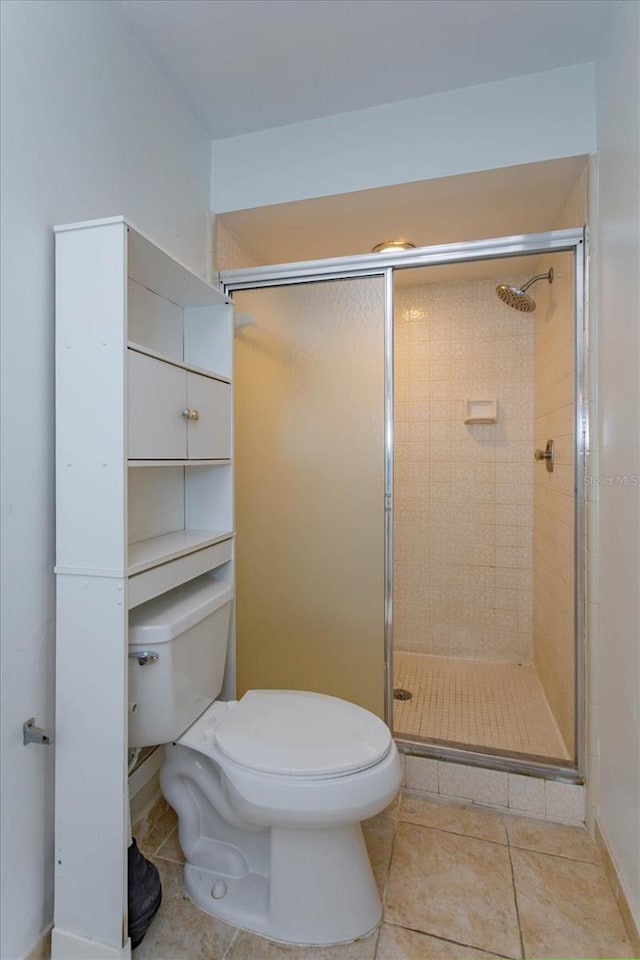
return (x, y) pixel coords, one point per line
(269, 790)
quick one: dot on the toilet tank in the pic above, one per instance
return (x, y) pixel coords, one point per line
(177, 653)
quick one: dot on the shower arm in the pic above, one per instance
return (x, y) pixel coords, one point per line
(540, 276)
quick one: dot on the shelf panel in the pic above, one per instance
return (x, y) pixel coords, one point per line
(151, 553)
(189, 367)
(151, 583)
(179, 463)
(156, 269)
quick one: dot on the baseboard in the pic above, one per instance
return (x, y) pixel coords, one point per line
(613, 876)
(68, 946)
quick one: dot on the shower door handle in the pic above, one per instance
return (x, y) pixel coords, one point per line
(548, 455)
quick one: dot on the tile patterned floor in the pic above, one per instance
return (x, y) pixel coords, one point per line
(457, 882)
(477, 703)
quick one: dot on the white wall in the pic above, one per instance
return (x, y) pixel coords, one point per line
(538, 117)
(618, 122)
(90, 130)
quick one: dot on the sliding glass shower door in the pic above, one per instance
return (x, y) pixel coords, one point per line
(309, 384)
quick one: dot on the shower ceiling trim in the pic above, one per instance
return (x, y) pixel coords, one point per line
(372, 264)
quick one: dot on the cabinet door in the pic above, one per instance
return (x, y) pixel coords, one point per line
(209, 436)
(157, 401)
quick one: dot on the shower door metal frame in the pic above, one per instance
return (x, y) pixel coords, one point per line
(384, 265)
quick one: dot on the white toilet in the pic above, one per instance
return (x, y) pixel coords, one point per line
(269, 790)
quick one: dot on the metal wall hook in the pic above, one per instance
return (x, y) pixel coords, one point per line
(33, 734)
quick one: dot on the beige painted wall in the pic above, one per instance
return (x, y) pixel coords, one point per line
(463, 493)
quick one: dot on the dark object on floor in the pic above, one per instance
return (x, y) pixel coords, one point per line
(145, 894)
(400, 694)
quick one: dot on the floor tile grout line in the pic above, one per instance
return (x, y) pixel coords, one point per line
(378, 933)
(227, 952)
(158, 856)
(556, 856)
(457, 943)
(469, 836)
(499, 843)
(515, 900)
(388, 869)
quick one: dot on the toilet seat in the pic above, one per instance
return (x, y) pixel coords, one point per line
(295, 733)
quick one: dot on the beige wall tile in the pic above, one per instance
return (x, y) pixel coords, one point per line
(473, 783)
(526, 794)
(564, 801)
(421, 774)
(553, 557)
(462, 343)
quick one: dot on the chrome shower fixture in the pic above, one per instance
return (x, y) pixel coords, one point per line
(517, 297)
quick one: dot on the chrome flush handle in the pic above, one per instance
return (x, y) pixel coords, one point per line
(144, 656)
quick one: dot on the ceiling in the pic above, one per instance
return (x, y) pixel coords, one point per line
(247, 65)
(495, 203)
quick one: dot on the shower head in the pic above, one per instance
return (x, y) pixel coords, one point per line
(517, 297)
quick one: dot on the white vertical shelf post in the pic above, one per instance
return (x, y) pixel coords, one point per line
(90, 916)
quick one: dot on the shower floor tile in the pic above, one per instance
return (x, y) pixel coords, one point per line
(477, 703)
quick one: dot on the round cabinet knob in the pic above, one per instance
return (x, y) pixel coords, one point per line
(195, 415)
(219, 890)
(187, 414)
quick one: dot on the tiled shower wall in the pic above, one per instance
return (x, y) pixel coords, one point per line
(553, 581)
(463, 494)
(230, 252)
(553, 497)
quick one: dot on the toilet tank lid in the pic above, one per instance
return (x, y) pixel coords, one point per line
(175, 612)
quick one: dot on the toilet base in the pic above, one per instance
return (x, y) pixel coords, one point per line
(320, 890)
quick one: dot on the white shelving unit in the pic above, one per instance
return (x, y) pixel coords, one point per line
(144, 502)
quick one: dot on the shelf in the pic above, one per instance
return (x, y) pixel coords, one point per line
(161, 324)
(179, 463)
(156, 269)
(151, 553)
(189, 367)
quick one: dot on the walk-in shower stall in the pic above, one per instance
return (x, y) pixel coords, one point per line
(409, 449)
